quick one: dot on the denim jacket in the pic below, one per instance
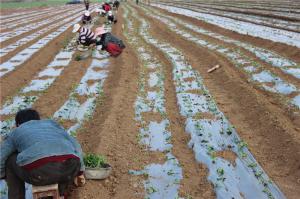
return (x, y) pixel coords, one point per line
(38, 139)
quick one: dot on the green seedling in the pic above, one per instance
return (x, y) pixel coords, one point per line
(171, 172)
(151, 190)
(78, 57)
(94, 161)
(220, 171)
(252, 165)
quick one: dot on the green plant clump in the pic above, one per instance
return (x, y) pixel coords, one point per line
(94, 161)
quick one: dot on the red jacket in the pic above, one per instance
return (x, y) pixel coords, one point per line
(107, 7)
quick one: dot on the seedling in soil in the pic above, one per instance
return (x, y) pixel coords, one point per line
(171, 172)
(221, 172)
(229, 130)
(78, 57)
(151, 190)
(94, 161)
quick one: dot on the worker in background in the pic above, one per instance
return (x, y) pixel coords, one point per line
(39, 152)
(101, 39)
(86, 18)
(137, 2)
(116, 4)
(111, 18)
(87, 4)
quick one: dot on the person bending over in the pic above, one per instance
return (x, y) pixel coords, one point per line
(39, 152)
(101, 39)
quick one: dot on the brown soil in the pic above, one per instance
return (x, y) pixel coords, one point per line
(15, 80)
(227, 155)
(266, 128)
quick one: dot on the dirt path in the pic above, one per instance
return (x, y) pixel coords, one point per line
(270, 134)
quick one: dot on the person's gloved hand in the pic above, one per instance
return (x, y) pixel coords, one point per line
(79, 181)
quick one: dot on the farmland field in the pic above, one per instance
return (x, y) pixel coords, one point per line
(168, 127)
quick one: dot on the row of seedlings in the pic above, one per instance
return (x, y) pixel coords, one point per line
(32, 20)
(27, 53)
(256, 71)
(162, 179)
(80, 105)
(90, 87)
(211, 133)
(62, 20)
(246, 28)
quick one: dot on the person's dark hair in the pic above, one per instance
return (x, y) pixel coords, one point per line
(26, 115)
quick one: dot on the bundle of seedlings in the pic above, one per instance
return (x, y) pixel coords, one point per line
(96, 167)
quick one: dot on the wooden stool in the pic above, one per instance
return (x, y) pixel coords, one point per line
(45, 191)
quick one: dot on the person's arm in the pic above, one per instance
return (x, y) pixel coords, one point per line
(7, 147)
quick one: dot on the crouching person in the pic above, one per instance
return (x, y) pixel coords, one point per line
(101, 39)
(111, 18)
(106, 41)
(39, 152)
